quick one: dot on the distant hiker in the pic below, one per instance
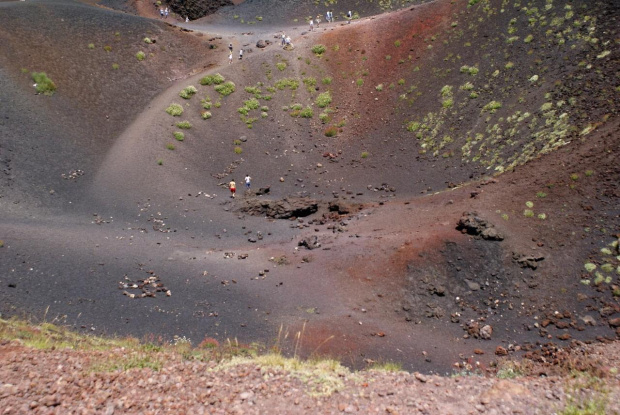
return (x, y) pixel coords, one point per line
(311, 25)
(166, 13)
(230, 58)
(186, 19)
(318, 21)
(283, 39)
(230, 47)
(247, 181)
(288, 41)
(161, 12)
(233, 188)
(240, 54)
(331, 16)
(327, 17)
(349, 16)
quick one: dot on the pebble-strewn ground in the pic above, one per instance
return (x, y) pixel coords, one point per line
(80, 382)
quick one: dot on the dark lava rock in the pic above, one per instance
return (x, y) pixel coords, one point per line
(280, 209)
(261, 44)
(311, 242)
(195, 9)
(473, 225)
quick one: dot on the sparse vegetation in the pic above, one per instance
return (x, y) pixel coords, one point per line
(226, 88)
(318, 49)
(185, 125)
(324, 99)
(170, 146)
(188, 92)
(206, 115)
(43, 84)
(179, 136)
(331, 131)
(141, 56)
(175, 110)
(216, 79)
(238, 150)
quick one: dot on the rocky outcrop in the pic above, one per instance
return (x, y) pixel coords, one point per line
(280, 209)
(195, 9)
(472, 224)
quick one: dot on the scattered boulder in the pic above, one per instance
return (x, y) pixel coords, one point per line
(486, 332)
(501, 351)
(614, 322)
(527, 261)
(472, 224)
(261, 44)
(195, 9)
(311, 242)
(280, 209)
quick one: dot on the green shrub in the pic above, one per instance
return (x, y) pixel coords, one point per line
(574, 177)
(364, 154)
(281, 66)
(473, 95)
(264, 114)
(91, 46)
(160, 162)
(397, 43)
(107, 48)
(188, 92)
(388, 57)
(147, 40)
(254, 90)
(238, 150)
(296, 107)
(359, 82)
(509, 65)
(226, 88)
(115, 66)
(43, 84)
(528, 38)
(327, 80)
(179, 136)
(206, 104)
(251, 104)
(528, 213)
(264, 108)
(413, 126)
(401, 82)
(216, 79)
(331, 131)
(541, 194)
(140, 56)
(306, 113)
(323, 117)
(379, 87)
(448, 103)
(324, 99)
(492, 106)
(175, 110)
(318, 49)
(290, 83)
(446, 90)
(589, 173)
(310, 82)
(185, 125)
(205, 115)
(170, 146)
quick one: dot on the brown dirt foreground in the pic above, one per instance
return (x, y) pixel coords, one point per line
(84, 382)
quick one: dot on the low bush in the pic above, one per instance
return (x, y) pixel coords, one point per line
(216, 79)
(170, 146)
(226, 88)
(188, 92)
(179, 136)
(205, 115)
(43, 84)
(306, 113)
(324, 99)
(331, 131)
(185, 125)
(318, 49)
(140, 56)
(175, 110)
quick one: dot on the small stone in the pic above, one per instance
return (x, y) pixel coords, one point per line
(486, 332)
(614, 322)
(420, 377)
(478, 351)
(500, 351)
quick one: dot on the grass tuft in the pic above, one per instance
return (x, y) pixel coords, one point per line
(43, 84)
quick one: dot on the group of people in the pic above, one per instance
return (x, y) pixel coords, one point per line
(286, 40)
(163, 12)
(232, 186)
(329, 18)
(230, 55)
